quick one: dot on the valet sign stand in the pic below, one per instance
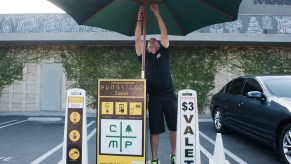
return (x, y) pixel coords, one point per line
(187, 142)
(121, 122)
(75, 149)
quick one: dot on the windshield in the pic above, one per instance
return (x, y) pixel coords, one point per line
(279, 87)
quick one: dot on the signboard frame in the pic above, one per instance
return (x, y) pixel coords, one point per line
(121, 105)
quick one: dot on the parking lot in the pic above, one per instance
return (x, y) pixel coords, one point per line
(25, 141)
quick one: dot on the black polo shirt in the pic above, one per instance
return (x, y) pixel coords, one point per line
(157, 72)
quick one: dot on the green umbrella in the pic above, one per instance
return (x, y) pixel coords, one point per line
(180, 16)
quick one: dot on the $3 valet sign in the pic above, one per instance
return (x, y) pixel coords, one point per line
(187, 106)
(187, 143)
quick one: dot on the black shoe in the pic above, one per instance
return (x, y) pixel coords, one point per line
(155, 162)
(173, 159)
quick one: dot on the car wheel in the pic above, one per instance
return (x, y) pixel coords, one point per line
(285, 144)
(218, 121)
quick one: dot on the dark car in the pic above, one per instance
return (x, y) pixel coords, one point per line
(258, 106)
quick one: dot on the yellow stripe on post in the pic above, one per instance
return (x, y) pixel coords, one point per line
(76, 100)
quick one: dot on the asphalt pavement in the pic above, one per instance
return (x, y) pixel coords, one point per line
(36, 137)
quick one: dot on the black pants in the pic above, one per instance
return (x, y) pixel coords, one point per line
(160, 107)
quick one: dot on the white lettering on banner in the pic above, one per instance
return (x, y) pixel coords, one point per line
(273, 2)
(284, 24)
(235, 26)
(188, 149)
(217, 28)
(254, 26)
(267, 23)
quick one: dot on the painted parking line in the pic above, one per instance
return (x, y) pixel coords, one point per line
(5, 159)
(53, 150)
(7, 122)
(205, 152)
(233, 156)
(91, 134)
(205, 120)
(47, 154)
(12, 124)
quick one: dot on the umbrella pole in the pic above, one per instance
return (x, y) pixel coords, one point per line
(144, 39)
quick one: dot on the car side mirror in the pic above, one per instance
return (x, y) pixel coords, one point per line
(256, 94)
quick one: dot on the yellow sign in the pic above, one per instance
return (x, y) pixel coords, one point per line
(76, 100)
(74, 154)
(121, 121)
(107, 108)
(121, 108)
(74, 135)
(135, 108)
(75, 117)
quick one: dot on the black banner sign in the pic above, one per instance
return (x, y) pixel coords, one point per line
(74, 135)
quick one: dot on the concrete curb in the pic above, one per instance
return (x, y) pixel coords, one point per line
(45, 119)
(202, 117)
(41, 114)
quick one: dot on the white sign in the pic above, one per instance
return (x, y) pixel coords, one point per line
(75, 148)
(187, 143)
(121, 137)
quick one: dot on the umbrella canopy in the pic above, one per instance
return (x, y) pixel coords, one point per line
(180, 16)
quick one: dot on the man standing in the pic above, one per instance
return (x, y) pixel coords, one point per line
(162, 99)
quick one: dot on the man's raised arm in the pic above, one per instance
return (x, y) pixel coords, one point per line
(138, 42)
(162, 26)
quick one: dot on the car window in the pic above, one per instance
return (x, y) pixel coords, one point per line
(227, 87)
(236, 87)
(251, 85)
(279, 87)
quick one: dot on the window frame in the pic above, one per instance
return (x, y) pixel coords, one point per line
(241, 89)
(258, 82)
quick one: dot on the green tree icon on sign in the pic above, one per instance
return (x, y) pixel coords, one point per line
(124, 141)
(128, 129)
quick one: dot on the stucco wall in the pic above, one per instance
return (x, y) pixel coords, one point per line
(24, 95)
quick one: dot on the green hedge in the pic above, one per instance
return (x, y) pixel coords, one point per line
(261, 60)
(11, 67)
(87, 65)
(192, 67)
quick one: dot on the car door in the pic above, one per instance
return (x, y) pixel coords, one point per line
(224, 104)
(229, 102)
(255, 113)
